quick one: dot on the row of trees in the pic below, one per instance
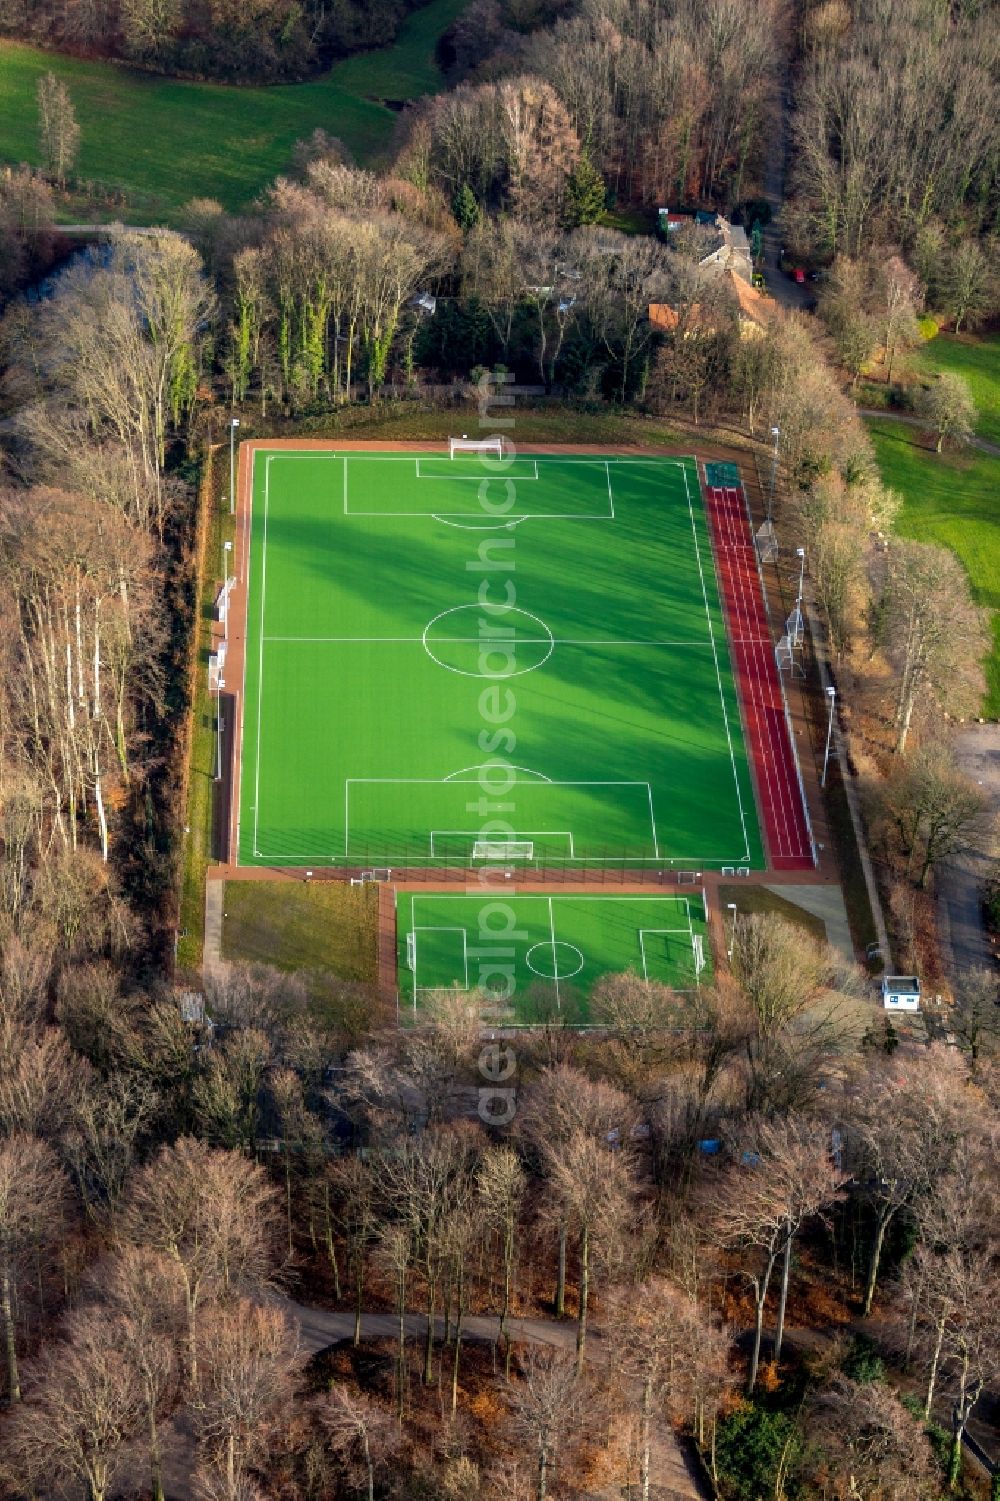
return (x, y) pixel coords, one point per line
(264, 39)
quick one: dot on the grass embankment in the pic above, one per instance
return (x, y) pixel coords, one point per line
(309, 925)
(950, 499)
(161, 142)
(752, 899)
(219, 528)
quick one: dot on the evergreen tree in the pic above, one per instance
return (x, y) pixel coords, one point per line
(585, 192)
(465, 208)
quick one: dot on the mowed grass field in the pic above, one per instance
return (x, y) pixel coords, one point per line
(542, 955)
(977, 361)
(430, 683)
(163, 141)
(951, 498)
(302, 925)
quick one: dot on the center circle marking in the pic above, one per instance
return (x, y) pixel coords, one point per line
(541, 636)
(549, 951)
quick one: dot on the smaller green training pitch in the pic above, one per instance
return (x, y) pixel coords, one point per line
(538, 952)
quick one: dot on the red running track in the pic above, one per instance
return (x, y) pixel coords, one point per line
(770, 749)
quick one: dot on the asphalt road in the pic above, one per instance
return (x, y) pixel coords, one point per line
(675, 1478)
(960, 880)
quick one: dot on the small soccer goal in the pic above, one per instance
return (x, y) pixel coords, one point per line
(491, 446)
(411, 951)
(503, 849)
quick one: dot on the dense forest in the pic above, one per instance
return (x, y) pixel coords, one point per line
(749, 1221)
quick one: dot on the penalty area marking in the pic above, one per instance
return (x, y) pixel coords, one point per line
(687, 932)
(457, 779)
(465, 954)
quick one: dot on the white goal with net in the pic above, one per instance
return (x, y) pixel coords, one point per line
(503, 849)
(491, 446)
(411, 951)
(698, 948)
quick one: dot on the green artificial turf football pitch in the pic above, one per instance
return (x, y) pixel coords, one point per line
(524, 947)
(449, 662)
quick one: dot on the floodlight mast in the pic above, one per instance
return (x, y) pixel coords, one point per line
(732, 930)
(234, 423)
(775, 434)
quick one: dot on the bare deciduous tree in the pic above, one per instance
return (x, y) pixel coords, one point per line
(83, 1407)
(59, 133)
(947, 409)
(34, 1197)
(932, 633)
(212, 1215)
(248, 1360)
(361, 1432)
(546, 1403)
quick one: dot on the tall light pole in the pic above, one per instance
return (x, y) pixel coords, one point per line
(234, 423)
(775, 434)
(732, 930)
(800, 553)
(831, 694)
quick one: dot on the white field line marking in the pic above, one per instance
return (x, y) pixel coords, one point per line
(459, 479)
(555, 961)
(642, 944)
(241, 719)
(594, 461)
(694, 956)
(611, 498)
(425, 928)
(260, 659)
(520, 641)
(652, 822)
(718, 673)
(520, 836)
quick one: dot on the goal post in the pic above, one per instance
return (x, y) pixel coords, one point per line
(411, 951)
(491, 446)
(503, 849)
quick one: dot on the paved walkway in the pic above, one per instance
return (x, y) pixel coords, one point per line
(675, 1479)
(826, 903)
(212, 954)
(983, 444)
(960, 880)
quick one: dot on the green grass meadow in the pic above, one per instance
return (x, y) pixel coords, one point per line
(295, 925)
(162, 141)
(544, 954)
(977, 361)
(370, 710)
(950, 499)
